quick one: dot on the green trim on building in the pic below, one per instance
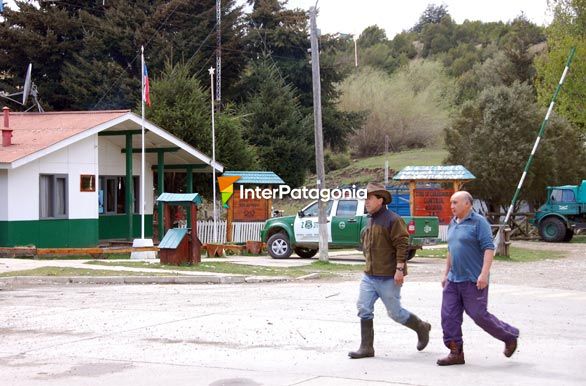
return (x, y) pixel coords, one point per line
(59, 233)
(74, 233)
(116, 226)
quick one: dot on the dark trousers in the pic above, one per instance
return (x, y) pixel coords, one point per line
(464, 296)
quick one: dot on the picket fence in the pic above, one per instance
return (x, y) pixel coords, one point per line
(241, 231)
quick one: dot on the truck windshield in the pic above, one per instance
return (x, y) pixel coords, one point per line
(562, 195)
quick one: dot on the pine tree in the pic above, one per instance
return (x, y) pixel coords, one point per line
(276, 125)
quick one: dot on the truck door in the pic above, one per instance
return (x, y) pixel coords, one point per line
(345, 223)
(307, 228)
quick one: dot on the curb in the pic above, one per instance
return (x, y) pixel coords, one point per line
(17, 281)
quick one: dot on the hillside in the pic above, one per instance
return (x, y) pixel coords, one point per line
(364, 170)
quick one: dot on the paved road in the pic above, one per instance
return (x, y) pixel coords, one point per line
(272, 334)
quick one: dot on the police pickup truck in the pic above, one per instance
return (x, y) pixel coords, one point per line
(346, 220)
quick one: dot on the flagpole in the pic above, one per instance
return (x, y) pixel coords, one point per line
(142, 204)
(142, 242)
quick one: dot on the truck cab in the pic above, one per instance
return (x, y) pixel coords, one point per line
(563, 213)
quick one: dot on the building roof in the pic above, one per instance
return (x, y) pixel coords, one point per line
(445, 173)
(179, 198)
(32, 132)
(255, 178)
(38, 134)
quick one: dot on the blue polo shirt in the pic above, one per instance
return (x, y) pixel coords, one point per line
(467, 241)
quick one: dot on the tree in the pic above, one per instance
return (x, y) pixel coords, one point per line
(516, 43)
(181, 106)
(438, 37)
(276, 125)
(411, 106)
(493, 135)
(433, 14)
(282, 35)
(46, 36)
(567, 30)
(372, 35)
(494, 71)
(88, 53)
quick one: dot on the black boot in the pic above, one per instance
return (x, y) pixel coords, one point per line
(421, 328)
(366, 345)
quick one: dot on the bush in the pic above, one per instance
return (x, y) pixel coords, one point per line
(411, 107)
(335, 161)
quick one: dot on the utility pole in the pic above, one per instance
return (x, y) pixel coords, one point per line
(319, 145)
(218, 52)
(355, 51)
(386, 160)
(211, 71)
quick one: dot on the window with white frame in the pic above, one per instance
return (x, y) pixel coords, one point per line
(53, 198)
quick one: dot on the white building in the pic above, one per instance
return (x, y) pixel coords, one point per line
(65, 176)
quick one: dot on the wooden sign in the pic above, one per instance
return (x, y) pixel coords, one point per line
(428, 202)
(248, 210)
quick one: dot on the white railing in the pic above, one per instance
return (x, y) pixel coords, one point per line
(205, 231)
(443, 233)
(241, 231)
(246, 231)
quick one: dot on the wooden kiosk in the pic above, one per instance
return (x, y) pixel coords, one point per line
(180, 245)
(249, 209)
(434, 199)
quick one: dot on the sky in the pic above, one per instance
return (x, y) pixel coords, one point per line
(394, 16)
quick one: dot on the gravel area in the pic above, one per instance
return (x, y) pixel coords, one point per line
(562, 273)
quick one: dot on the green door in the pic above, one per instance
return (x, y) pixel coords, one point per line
(345, 224)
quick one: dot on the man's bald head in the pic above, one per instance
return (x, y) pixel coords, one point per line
(461, 204)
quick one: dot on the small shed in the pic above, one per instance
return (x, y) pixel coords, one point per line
(430, 188)
(246, 209)
(180, 245)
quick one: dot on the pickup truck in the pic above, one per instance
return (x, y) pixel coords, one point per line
(346, 220)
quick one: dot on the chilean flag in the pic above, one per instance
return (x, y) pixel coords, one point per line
(146, 93)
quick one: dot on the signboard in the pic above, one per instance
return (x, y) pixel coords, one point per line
(428, 202)
(246, 210)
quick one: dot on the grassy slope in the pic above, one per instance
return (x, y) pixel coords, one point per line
(365, 170)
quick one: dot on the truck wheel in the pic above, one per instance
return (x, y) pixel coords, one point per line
(552, 229)
(305, 253)
(411, 254)
(279, 246)
(569, 235)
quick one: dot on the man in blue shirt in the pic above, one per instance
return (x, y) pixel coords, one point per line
(465, 281)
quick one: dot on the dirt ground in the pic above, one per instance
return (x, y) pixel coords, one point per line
(562, 273)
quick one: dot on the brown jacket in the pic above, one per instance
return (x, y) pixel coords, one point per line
(385, 242)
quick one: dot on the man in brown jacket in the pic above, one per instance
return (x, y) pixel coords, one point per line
(385, 243)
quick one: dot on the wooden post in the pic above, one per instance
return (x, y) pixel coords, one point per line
(129, 193)
(161, 189)
(195, 243)
(412, 186)
(189, 189)
(167, 222)
(230, 217)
